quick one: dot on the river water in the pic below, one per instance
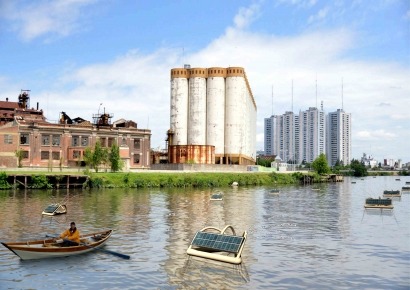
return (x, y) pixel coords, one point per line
(305, 237)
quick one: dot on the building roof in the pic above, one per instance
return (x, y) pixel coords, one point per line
(9, 105)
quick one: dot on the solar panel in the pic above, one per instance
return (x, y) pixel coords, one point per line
(51, 208)
(219, 242)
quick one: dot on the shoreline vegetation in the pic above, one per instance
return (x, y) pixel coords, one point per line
(47, 180)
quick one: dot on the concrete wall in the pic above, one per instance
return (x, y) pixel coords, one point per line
(200, 167)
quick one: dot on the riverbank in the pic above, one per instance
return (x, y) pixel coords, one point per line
(146, 179)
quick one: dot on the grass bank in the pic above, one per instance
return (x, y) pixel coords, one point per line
(175, 180)
(47, 180)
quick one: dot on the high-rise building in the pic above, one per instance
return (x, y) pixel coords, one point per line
(282, 136)
(312, 141)
(273, 128)
(339, 141)
(268, 136)
(305, 136)
(288, 144)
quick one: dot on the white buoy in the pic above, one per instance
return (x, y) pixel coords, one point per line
(235, 183)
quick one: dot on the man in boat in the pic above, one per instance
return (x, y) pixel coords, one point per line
(70, 237)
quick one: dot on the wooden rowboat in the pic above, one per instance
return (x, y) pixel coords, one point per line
(47, 248)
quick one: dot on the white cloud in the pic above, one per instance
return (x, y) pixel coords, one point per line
(375, 135)
(407, 15)
(400, 117)
(299, 3)
(59, 17)
(384, 104)
(245, 16)
(319, 16)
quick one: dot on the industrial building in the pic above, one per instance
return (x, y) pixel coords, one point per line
(212, 117)
(46, 145)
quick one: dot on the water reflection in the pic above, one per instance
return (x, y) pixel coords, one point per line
(212, 274)
(302, 237)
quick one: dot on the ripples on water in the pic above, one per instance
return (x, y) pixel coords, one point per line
(297, 239)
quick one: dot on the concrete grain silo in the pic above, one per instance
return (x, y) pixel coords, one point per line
(179, 106)
(235, 114)
(197, 106)
(215, 111)
(213, 117)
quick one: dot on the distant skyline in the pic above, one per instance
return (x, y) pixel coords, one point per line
(75, 55)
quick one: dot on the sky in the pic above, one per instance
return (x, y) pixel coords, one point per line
(86, 56)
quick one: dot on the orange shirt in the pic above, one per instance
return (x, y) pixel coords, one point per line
(75, 237)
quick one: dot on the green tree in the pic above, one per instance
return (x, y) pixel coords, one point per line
(338, 166)
(88, 157)
(98, 155)
(263, 162)
(320, 164)
(3, 181)
(115, 159)
(94, 158)
(359, 169)
(19, 154)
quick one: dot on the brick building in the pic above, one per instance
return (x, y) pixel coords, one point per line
(62, 144)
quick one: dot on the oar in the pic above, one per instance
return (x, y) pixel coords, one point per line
(100, 249)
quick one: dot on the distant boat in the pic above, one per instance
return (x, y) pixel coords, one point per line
(407, 182)
(275, 191)
(397, 179)
(216, 196)
(405, 188)
(353, 181)
(55, 209)
(378, 203)
(392, 193)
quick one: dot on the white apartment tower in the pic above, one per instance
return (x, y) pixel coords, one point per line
(288, 143)
(282, 136)
(273, 129)
(312, 141)
(268, 136)
(339, 141)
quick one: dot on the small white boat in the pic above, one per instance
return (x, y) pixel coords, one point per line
(48, 248)
(55, 209)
